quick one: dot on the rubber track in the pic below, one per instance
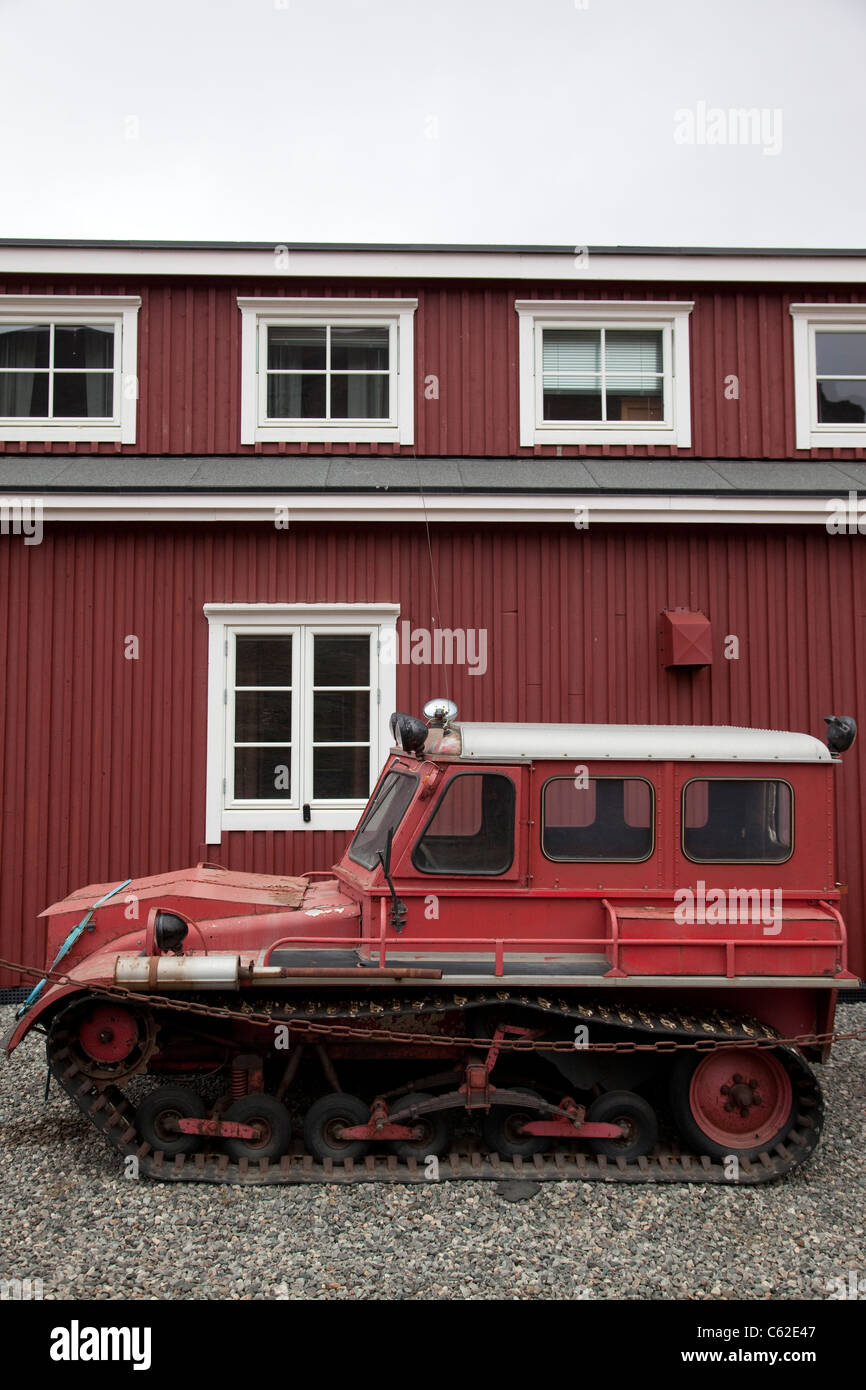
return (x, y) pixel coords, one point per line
(113, 1115)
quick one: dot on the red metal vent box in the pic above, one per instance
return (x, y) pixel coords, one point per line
(685, 638)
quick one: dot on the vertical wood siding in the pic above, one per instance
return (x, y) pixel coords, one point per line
(102, 764)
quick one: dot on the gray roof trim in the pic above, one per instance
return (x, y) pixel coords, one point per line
(463, 248)
(302, 473)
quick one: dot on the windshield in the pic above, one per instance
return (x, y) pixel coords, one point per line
(384, 813)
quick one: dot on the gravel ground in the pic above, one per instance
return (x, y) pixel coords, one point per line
(68, 1217)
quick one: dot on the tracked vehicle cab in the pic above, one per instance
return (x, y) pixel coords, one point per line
(640, 855)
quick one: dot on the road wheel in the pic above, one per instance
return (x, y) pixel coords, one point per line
(634, 1114)
(156, 1119)
(502, 1128)
(437, 1126)
(271, 1122)
(327, 1118)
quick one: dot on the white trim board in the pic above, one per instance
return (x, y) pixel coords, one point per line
(493, 264)
(472, 508)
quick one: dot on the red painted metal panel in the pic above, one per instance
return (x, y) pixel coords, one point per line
(102, 764)
(466, 335)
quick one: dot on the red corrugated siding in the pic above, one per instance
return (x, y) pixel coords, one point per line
(103, 759)
(466, 334)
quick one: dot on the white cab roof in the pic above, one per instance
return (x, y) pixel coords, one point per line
(658, 742)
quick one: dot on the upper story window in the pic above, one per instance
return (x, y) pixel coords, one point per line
(68, 368)
(604, 373)
(327, 369)
(830, 375)
(296, 731)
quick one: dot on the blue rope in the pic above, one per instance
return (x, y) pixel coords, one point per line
(67, 946)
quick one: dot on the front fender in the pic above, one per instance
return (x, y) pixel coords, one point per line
(46, 1004)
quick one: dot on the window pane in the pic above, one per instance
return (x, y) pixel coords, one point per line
(635, 405)
(24, 346)
(339, 715)
(574, 403)
(296, 349)
(359, 349)
(24, 394)
(263, 661)
(341, 660)
(571, 350)
(263, 774)
(83, 346)
(635, 359)
(842, 402)
(841, 354)
(359, 397)
(729, 821)
(339, 773)
(296, 397)
(87, 394)
(263, 716)
(610, 818)
(383, 814)
(472, 829)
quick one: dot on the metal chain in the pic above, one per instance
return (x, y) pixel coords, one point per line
(343, 1030)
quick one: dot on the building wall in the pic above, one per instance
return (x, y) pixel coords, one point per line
(466, 335)
(103, 760)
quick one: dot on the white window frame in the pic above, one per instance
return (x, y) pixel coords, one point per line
(257, 315)
(809, 318)
(534, 315)
(305, 621)
(121, 311)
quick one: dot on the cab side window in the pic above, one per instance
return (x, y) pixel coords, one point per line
(738, 820)
(603, 818)
(472, 829)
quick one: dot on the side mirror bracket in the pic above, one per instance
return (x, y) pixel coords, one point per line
(398, 907)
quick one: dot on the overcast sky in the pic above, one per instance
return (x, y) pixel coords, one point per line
(572, 122)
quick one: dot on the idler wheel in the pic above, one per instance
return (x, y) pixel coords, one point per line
(637, 1119)
(109, 1041)
(325, 1122)
(157, 1116)
(271, 1121)
(732, 1101)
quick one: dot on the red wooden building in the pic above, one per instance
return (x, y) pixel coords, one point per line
(253, 498)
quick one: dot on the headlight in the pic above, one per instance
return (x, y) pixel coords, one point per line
(169, 932)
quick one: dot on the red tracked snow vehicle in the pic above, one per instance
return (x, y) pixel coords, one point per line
(567, 950)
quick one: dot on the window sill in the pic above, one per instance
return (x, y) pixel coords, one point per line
(68, 434)
(579, 434)
(323, 818)
(327, 434)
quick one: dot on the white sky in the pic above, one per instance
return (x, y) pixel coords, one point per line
(496, 121)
